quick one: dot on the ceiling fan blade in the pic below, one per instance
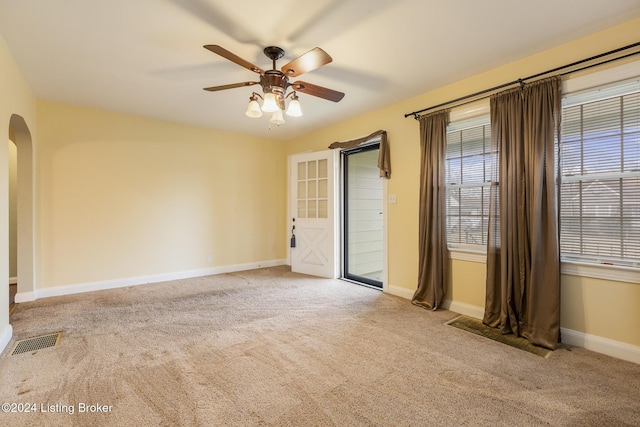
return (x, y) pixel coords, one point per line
(229, 86)
(233, 58)
(309, 61)
(319, 91)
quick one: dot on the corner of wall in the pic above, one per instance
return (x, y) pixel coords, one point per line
(400, 292)
(5, 337)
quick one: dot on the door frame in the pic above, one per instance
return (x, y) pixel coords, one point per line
(344, 223)
(338, 209)
(385, 222)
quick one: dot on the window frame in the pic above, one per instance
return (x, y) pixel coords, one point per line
(587, 98)
(460, 121)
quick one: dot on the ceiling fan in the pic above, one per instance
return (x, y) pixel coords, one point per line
(275, 82)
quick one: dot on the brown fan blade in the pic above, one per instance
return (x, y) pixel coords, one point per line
(233, 58)
(230, 86)
(319, 91)
(309, 61)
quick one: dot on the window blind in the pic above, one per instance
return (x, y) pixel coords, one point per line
(468, 172)
(599, 168)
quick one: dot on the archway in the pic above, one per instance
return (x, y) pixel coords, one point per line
(13, 226)
(20, 135)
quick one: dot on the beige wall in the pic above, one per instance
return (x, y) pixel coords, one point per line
(13, 209)
(466, 283)
(601, 307)
(467, 279)
(123, 196)
(18, 99)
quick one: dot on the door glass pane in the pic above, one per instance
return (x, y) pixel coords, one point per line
(363, 245)
(302, 190)
(322, 168)
(312, 169)
(322, 188)
(302, 208)
(302, 170)
(322, 209)
(312, 209)
(312, 189)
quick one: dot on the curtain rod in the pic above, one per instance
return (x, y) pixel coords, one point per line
(478, 95)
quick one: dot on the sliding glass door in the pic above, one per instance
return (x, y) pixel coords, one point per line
(362, 216)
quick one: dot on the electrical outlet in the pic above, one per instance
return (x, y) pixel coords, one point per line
(209, 258)
(393, 198)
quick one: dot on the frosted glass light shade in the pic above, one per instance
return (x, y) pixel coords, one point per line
(270, 105)
(294, 109)
(277, 118)
(253, 110)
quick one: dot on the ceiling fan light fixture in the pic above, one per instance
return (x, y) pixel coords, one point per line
(253, 109)
(294, 109)
(275, 82)
(270, 105)
(277, 118)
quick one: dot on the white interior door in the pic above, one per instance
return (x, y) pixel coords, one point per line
(312, 191)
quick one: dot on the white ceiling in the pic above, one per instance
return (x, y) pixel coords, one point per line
(145, 57)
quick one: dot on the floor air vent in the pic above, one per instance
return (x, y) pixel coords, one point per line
(36, 343)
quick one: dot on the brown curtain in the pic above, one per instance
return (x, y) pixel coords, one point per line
(433, 255)
(523, 257)
(384, 161)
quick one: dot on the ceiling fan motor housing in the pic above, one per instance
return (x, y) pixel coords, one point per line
(274, 81)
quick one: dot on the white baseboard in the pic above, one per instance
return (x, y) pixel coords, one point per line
(140, 280)
(13, 280)
(455, 306)
(5, 337)
(598, 344)
(400, 292)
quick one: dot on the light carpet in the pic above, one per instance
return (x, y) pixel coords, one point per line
(272, 348)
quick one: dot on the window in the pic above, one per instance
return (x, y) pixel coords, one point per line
(468, 170)
(599, 167)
